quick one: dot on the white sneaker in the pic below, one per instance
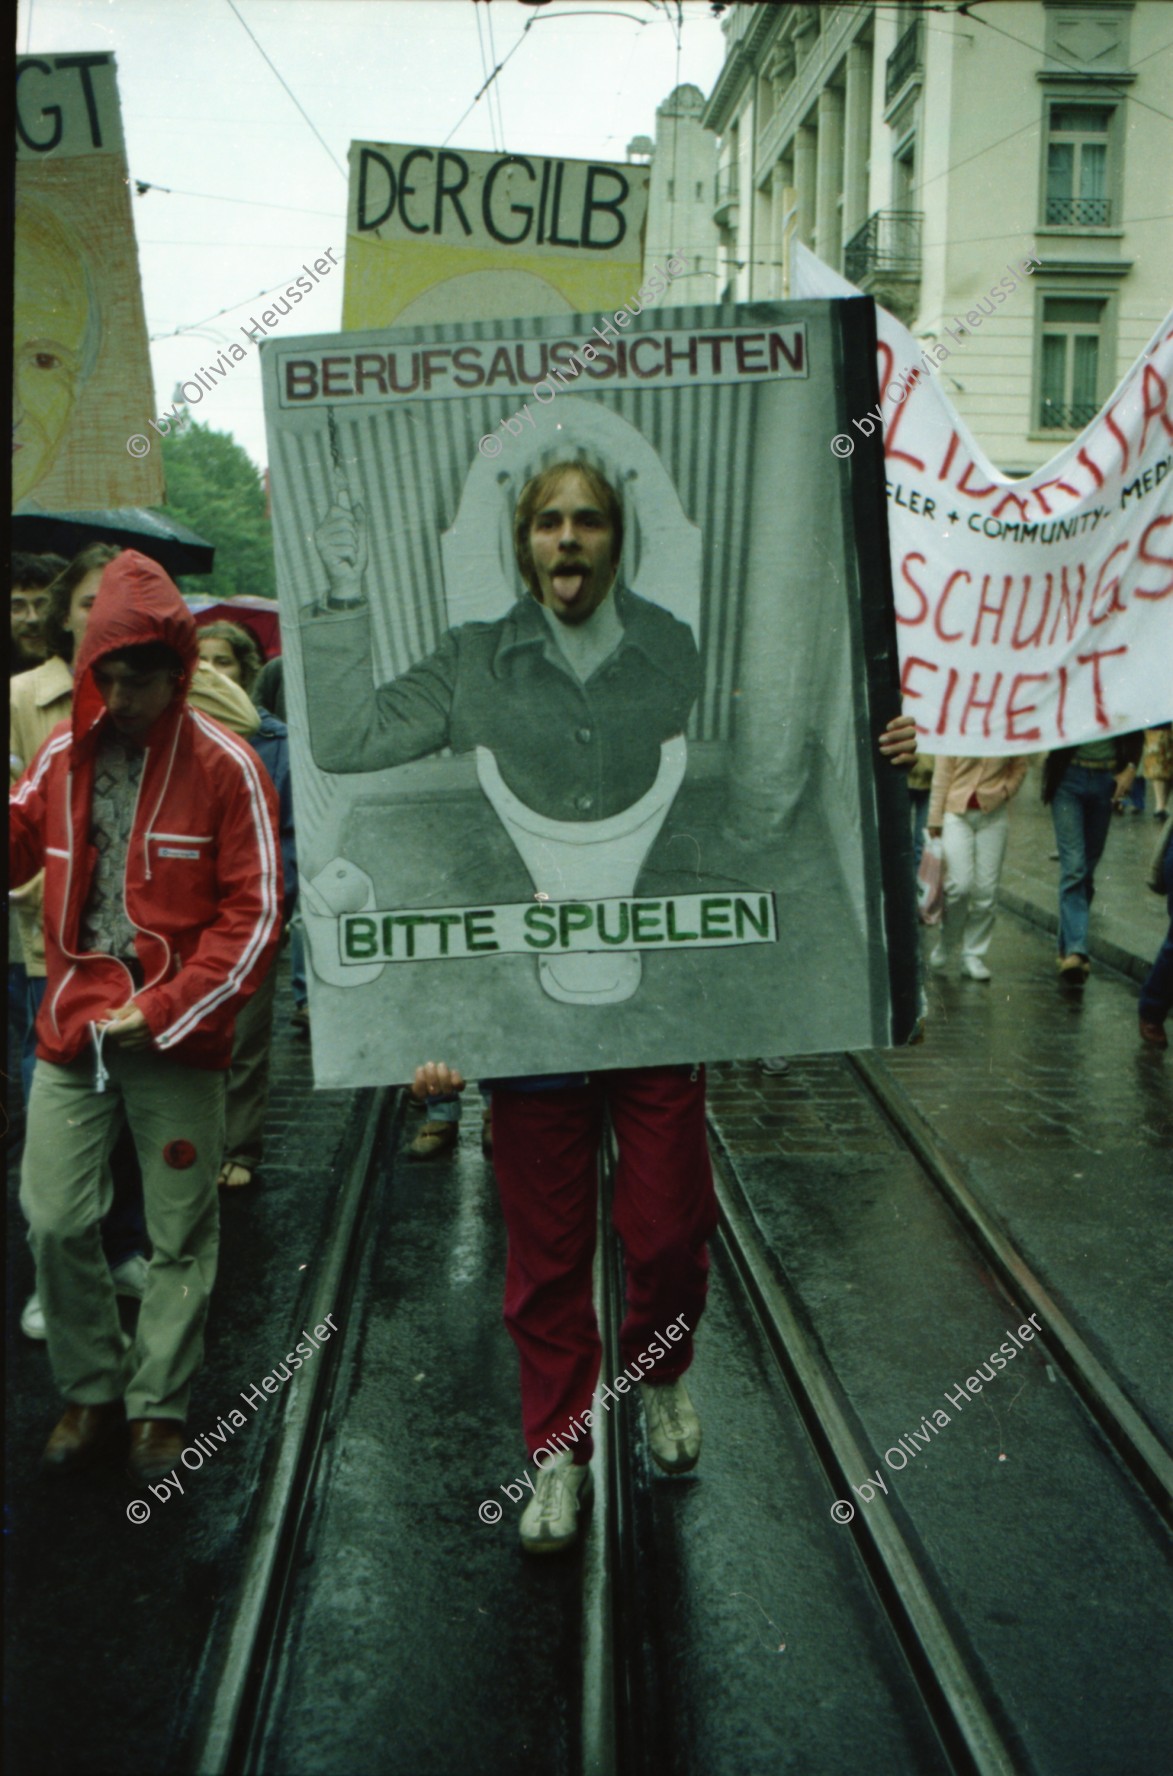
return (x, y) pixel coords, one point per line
(674, 1430)
(130, 1277)
(550, 1520)
(775, 1065)
(938, 958)
(32, 1319)
(973, 968)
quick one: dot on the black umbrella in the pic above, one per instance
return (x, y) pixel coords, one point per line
(173, 546)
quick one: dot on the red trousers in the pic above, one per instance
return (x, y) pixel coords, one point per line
(545, 1154)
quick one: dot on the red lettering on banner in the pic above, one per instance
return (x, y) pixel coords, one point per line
(1018, 641)
(906, 690)
(1154, 561)
(1093, 660)
(1061, 716)
(893, 426)
(1114, 603)
(909, 581)
(1154, 381)
(1013, 712)
(1007, 500)
(959, 573)
(1038, 492)
(948, 462)
(1117, 434)
(1064, 605)
(1087, 462)
(973, 701)
(992, 610)
(950, 687)
(973, 492)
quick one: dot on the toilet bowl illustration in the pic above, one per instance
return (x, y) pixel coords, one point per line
(339, 887)
(587, 860)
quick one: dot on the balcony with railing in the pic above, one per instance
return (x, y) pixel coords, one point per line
(1079, 212)
(725, 205)
(904, 62)
(885, 250)
(1071, 416)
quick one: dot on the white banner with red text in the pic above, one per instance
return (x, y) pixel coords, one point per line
(1035, 612)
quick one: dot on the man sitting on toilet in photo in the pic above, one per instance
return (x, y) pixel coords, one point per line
(573, 691)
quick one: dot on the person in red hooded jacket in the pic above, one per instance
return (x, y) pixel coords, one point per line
(157, 832)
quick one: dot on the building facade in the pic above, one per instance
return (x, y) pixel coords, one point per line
(680, 194)
(918, 151)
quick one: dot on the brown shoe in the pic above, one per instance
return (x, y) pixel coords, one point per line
(1154, 1033)
(1073, 969)
(156, 1445)
(82, 1433)
(435, 1138)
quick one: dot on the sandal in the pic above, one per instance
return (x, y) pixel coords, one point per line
(234, 1175)
(433, 1139)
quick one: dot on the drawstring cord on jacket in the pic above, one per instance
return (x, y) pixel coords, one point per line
(98, 1034)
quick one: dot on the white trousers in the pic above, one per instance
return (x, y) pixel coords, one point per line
(975, 845)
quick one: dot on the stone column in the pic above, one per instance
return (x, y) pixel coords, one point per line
(805, 155)
(828, 241)
(857, 139)
(778, 196)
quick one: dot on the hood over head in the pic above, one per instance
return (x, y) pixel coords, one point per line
(137, 602)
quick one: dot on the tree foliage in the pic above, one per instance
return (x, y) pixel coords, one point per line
(215, 488)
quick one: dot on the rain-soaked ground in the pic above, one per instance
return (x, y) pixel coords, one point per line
(418, 1638)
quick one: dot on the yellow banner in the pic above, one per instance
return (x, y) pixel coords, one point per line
(81, 362)
(437, 234)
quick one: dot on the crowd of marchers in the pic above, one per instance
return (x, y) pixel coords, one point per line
(154, 877)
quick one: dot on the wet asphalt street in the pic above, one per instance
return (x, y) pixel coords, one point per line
(414, 1636)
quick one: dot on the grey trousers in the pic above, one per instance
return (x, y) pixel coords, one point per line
(248, 1077)
(176, 1116)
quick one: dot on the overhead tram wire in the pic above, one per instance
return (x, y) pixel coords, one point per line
(485, 66)
(277, 72)
(495, 91)
(230, 308)
(142, 186)
(1103, 80)
(537, 19)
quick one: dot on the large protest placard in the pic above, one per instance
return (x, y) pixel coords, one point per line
(668, 837)
(441, 234)
(81, 361)
(1035, 612)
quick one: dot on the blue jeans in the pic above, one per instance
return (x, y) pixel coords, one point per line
(1082, 813)
(1156, 996)
(448, 1108)
(919, 802)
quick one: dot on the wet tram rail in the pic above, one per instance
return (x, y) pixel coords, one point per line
(875, 1565)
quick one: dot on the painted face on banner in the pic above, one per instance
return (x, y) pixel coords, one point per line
(573, 547)
(50, 318)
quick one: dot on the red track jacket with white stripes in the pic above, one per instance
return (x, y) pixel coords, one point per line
(203, 872)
